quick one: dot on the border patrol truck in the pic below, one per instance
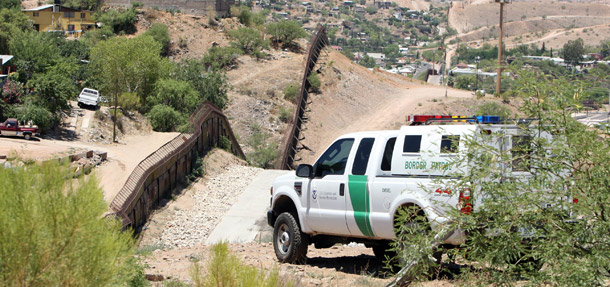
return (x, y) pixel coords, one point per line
(355, 189)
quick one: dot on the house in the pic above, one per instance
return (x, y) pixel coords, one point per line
(55, 17)
(383, 4)
(5, 68)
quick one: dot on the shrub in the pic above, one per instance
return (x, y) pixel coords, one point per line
(249, 41)
(164, 118)
(225, 143)
(179, 95)
(37, 114)
(53, 231)
(11, 92)
(290, 92)
(556, 218)
(285, 114)
(495, 109)
(314, 82)
(264, 153)
(285, 32)
(122, 22)
(225, 269)
(160, 33)
(129, 101)
(220, 57)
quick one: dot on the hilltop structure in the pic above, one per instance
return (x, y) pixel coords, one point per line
(220, 7)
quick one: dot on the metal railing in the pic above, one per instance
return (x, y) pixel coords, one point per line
(287, 155)
(126, 200)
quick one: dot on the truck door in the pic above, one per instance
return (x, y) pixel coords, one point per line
(358, 214)
(326, 192)
(11, 128)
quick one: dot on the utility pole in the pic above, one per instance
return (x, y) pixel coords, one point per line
(498, 80)
(116, 103)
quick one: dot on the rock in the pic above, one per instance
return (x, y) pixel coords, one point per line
(154, 277)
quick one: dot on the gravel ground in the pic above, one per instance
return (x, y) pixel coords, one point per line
(193, 226)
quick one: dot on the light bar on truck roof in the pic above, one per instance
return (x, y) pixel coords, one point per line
(427, 119)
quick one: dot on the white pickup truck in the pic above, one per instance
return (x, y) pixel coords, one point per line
(355, 189)
(89, 97)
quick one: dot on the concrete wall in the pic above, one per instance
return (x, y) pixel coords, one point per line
(199, 7)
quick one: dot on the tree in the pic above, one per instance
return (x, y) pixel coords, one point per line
(121, 21)
(12, 21)
(573, 51)
(53, 232)
(164, 118)
(176, 94)
(91, 5)
(159, 32)
(557, 218)
(249, 41)
(391, 51)
(285, 32)
(212, 86)
(129, 65)
(34, 52)
(219, 58)
(53, 88)
(367, 61)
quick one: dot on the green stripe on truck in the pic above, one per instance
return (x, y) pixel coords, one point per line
(359, 195)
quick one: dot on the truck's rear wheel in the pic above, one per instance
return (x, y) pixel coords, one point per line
(289, 242)
(27, 136)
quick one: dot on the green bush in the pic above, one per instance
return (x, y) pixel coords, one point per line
(164, 118)
(53, 231)
(129, 101)
(225, 269)
(290, 92)
(285, 114)
(495, 109)
(37, 114)
(160, 33)
(555, 219)
(285, 32)
(179, 95)
(265, 153)
(221, 57)
(249, 41)
(225, 143)
(211, 85)
(121, 21)
(314, 81)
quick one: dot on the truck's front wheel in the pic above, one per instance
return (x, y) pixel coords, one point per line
(289, 242)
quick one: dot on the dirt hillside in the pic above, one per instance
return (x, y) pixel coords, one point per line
(525, 22)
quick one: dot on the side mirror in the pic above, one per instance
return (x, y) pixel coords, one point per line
(304, 170)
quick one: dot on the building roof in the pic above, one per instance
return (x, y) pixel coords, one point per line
(5, 58)
(63, 8)
(39, 8)
(462, 65)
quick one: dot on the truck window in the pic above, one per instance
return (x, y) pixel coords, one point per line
(386, 161)
(334, 159)
(521, 151)
(362, 156)
(449, 144)
(412, 144)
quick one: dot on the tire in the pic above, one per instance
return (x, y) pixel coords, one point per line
(382, 251)
(289, 243)
(27, 136)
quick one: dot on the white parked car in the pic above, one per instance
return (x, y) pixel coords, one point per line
(89, 97)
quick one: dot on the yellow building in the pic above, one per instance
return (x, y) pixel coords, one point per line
(54, 17)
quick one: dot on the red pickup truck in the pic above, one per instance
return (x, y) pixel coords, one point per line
(11, 127)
